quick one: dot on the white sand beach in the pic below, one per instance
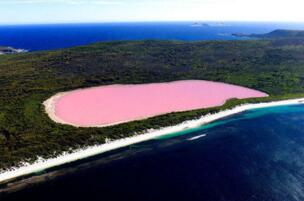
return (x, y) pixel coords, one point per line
(43, 164)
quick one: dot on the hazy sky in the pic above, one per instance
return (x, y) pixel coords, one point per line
(54, 11)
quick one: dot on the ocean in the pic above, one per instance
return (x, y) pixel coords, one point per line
(255, 155)
(55, 36)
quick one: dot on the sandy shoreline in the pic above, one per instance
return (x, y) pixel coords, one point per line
(79, 107)
(43, 164)
(49, 106)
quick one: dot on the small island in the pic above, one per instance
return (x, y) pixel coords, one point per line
(210, 24)
(200, 24)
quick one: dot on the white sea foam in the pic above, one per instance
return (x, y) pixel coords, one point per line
(197, 137)
(43, 164)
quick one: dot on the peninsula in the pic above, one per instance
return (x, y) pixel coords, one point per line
(276, 34)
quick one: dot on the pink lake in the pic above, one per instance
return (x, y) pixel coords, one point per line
(113, 104)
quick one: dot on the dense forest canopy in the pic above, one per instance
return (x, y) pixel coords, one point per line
(275, 66)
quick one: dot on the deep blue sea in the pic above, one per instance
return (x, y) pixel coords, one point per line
(253, 156)
(46, 37)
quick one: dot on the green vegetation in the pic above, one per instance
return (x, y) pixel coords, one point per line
(281, 33)
(272, 66)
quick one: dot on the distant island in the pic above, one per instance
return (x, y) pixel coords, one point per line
(213, 24)
(273, 65)
(200, 24)
(10, 50)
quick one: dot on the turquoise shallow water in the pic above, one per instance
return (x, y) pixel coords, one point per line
(247, 115)
(253, 156)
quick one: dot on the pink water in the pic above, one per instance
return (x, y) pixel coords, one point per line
(121, 103)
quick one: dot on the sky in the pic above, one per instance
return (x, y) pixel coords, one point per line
(73, 11)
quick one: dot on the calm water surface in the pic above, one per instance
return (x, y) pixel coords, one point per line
(46, 37)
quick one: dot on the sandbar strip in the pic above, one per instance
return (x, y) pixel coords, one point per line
(43, 164)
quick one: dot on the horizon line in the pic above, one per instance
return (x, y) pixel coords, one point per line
(150, 21)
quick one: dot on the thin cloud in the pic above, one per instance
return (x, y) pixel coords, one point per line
(100, 2)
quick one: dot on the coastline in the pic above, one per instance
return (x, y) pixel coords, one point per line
(43, 164)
